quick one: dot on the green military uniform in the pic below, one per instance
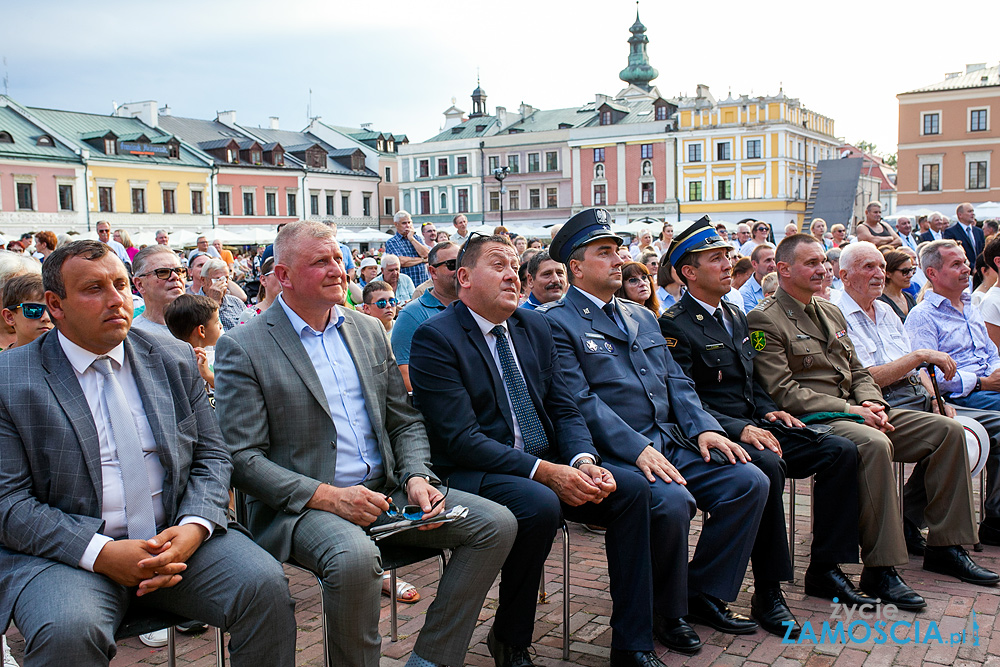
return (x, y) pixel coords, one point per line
(808, 367)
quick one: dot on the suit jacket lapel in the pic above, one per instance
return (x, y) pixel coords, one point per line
(61, 379)
(288, 342)
(796, 313)
(475, 335)
(709, 325)
(591, 312)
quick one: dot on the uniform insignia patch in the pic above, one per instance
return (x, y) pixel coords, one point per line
(699, 317)
(609, 347)
(592, 346)
(590, 334)
(586, 311)
(745, 340)
(841, 333)
(716, 346)
(671, 342)
(758, 340)
(807, 362)
(720, 376)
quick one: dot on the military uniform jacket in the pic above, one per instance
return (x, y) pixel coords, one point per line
(627, 385)
(802, 367)
(720, 364)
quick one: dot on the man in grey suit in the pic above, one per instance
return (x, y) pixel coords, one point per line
(329, 437)
(114, 484)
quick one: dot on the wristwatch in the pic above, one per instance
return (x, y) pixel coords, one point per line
(979, 384)
(583, 460)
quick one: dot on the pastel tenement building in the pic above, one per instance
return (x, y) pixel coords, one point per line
(946, 141)
(638, 153)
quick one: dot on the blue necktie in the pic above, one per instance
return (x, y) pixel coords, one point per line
(535, 441)
(125, 436)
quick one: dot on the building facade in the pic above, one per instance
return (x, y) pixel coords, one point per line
(946, 141)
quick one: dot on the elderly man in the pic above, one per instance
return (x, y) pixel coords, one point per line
(966, 232)
(104, 234)
(215, 285)
(762, 260)
(904, 227)
(322, 374)
(503, 424)
(159, 279)
(807, 363)
(202, 246)
(461, 224)
(946, 321)
(742, 236)
(938, 223)
(162, 237)
(711, 343)
(407, 246)
(429, 233)
(875, 230)
(883, 346)
(115, 484)
(791, 229)
(401, 283)
(546, 280)
(441, 264)
(646, 418)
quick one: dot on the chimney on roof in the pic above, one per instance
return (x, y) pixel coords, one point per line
(701, 91)
(600, 99)
(273, 122)
(144, 111)
(165, 110)
(502, 116)
(952, 75)
(974, 67)
(226, 117)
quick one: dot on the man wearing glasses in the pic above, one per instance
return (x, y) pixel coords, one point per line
(441, 265)
(379, 302)
(159, 279)
(429, 232)
(334, 434)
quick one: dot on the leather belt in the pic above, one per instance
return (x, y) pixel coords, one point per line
(905, 383)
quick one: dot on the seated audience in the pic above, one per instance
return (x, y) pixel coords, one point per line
(368, 270)
(637, 286)
(770, 284)
(319, 373)
(989, 306)
(12, 265)
(742, 270)
(669, 289)
(762, 260)
(45, 243)
(194, 319)
(839, 234)
(159, 279)
(503, 424)
(379, 302)
(898, 275)
(546, 280)
(984, 278)
(807, 364)
(268, 291)
(216, 285)
(402, 284)
(791, 229)
(641, 242)
(817, 228)
(24, 308)
(74, 553)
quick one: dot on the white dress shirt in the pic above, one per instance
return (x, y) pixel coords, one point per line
(113, 506)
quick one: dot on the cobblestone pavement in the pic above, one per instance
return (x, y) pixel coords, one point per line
(949, 604)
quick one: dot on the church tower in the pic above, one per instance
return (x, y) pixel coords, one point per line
(478, 101)
(639, 72)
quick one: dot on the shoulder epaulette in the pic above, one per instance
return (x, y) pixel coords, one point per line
(547, 306)
(673, 311)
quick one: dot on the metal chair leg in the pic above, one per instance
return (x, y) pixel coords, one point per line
(565, 529)
(171, 646)
(982, 495)
(220, 649)
(393, 620)
(900, 482)
(791, 521)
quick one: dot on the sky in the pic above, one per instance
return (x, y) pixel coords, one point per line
(398, 64)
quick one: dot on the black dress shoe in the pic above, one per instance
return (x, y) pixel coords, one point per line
(886, 584)
(833, 583)
(769, 609)
(634, 659)
(715, 613)
(505, 655)
(989, 533)
(955, 562)
(676, 635)
(915, 542)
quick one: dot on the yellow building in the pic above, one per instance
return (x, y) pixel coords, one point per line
(748, 157)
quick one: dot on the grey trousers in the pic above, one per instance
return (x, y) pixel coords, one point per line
(349, 564)
(69, 616)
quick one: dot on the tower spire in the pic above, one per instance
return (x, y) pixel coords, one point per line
(639, 71)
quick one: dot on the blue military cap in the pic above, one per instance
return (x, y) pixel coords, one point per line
(698, 237)
(584, 227)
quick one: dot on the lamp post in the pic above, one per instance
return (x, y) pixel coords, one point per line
(500, 173)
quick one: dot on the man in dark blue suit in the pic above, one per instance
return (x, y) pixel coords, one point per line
(503, 424)
(967, 233)
(645, 417)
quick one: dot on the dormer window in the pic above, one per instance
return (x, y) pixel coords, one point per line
(5, 138)
(358, 162)
(379, 144)
(174, 150)
(605, 118)
(110, 147)
(661, 112)
(391, 146)
(255, 157)
(232, 156)
(45, 140)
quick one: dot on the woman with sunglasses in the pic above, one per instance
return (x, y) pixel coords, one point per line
(637, 285)
(759, 231)
(898, 273)
(269, 290)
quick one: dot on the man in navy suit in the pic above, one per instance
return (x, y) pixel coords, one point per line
(938, 223)
(502, 423)
(967, 233)
(645, 417)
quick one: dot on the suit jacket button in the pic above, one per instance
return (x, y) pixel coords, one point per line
(642, 371)
(635, 347)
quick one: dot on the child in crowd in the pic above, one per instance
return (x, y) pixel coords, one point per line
(195, 319)
(24, 308)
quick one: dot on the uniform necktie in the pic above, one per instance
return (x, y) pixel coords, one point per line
(535, 441)
(813, 314)
(609, 310)
(720, 319)
(138, 498)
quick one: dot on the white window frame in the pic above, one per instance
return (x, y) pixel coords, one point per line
(746, 149)
(978, 156)
(252, 190)
(30, 180)
(968, 118)
(715, 188)
(715, 150)
(593, 192)
(747, 190)
(393, 201)
(931, 158)
(687, 189)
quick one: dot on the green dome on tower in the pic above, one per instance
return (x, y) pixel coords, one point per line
(639, 71)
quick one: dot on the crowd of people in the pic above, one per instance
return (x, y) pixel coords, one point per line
(521, 381)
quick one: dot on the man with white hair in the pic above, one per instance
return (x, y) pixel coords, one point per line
(159, 279)
(392, 274)
(162, 237)
(791, 229)
(408, 247)
(904, 227)
(202, 246)
(938, 223)
(742, 236)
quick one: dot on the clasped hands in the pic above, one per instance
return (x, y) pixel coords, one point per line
(151, 564)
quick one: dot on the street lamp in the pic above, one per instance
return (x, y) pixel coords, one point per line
(500, 173)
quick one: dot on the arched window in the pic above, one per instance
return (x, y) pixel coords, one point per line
(45, 140)
(5, 138)
(444, 202)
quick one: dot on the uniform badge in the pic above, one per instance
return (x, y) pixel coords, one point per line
(716, 346)
(720, 376)
(609, 347)
(807, 362)
(586, 311)
(699, 317)
(592, 346)
(758, 340)
(841, 333)
(671, 342)
(601, 215)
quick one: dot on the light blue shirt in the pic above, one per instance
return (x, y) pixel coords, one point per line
(358, 455)
(752, 293)
(410, 317)
(935, 324)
